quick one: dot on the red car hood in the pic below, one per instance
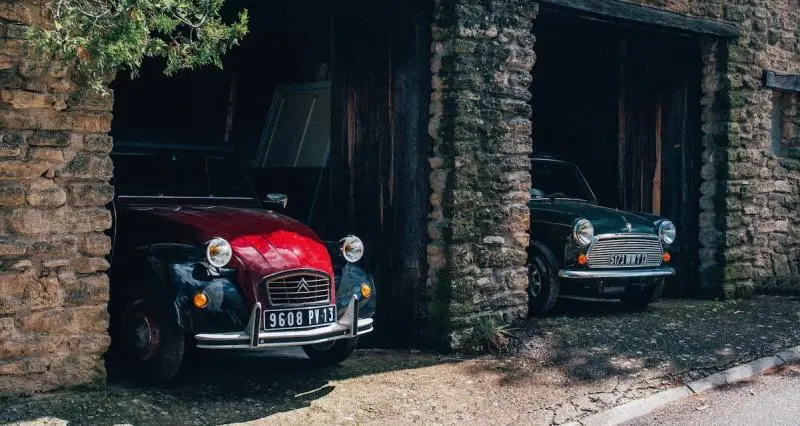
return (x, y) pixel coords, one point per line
(264, 241)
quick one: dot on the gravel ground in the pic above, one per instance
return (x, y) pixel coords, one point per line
(582, 359)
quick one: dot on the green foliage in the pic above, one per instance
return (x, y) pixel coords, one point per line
(489, 336)
(105, 36)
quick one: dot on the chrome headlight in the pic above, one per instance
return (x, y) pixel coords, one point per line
(667, 232)
(352, 248)
(218, 252)
(583, 232)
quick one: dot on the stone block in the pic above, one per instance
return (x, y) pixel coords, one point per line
(87, 290)
(96, 244)
(52, 155)
(28, 221)
(11, 194)
(76, 320)
(55, 246)
(25, 292)
(88, 265)
(20, 169)
(46, 193)
(88, 166)
(11, 144)
(20, 99)
(12, 247)
(98, 143)
(44, 138)
(90, 194)
(15, 119)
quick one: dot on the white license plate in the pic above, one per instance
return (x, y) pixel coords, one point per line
(299, 317)
(627, 259)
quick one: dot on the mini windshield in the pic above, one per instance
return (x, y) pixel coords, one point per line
(558, 179)
(178, 173)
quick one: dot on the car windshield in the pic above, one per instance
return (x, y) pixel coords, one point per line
(179, 173)
(558, 179)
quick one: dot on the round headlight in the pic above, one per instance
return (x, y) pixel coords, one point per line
(583, 232)
(352, 248)
(218, 252)
(667, 232)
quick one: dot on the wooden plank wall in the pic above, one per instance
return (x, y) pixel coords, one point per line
(379, 151)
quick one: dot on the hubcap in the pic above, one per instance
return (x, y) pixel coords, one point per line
(534, 281)
(145, 335)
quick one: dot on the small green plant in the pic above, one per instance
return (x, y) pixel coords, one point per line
(103, 37)
(489, 336)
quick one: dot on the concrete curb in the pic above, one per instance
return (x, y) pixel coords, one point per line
(640, 407)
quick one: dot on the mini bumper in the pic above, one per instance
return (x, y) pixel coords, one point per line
(569, 273)
(347, 327)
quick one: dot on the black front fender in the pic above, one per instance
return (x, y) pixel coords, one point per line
(184, 273)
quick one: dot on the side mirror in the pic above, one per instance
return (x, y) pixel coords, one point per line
(280, 199)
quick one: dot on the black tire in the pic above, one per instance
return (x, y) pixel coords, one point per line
(333, 353)
(543, 285)
(150, 312)
(646, 297)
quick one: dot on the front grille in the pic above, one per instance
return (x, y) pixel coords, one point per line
(604, 247)
(298, 288)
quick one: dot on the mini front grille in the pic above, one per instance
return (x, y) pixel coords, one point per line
(298, 288)
(606, 251)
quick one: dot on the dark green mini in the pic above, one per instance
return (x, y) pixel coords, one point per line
(580, 249)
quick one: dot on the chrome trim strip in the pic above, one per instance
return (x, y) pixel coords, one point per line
(252, 337)
(663, 271)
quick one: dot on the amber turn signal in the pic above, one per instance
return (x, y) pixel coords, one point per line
(666, 257)
(366, 292)
(582, 259)
(200, 300)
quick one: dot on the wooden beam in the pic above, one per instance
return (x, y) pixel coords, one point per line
(783, 83)
(623, 12)
(656, 204)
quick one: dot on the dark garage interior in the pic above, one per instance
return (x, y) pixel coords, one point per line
(324, 103)
(623, 103)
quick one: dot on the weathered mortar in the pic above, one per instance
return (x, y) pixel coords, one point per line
(54, 174)
(481, 131)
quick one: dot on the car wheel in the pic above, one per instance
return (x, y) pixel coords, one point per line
(155, 341)
(543, 286)
(330, 353)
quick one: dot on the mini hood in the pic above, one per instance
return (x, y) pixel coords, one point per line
(263, 240)
(605, 220)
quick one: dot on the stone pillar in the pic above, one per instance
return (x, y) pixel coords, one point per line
(54, 185)
(482, 57)
(715, 115)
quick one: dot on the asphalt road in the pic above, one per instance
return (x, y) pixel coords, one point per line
(768, 400)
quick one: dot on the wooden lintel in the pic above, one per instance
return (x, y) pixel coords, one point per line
(783, 83)
(620, 11)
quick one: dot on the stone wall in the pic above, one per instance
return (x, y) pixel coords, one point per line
(54, 174)
(482, 56)
(760, 242)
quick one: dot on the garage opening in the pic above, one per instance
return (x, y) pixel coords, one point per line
(623, 103)
(269, 107)
(325, 103)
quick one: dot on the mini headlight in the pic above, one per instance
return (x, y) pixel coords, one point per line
(583, 232)
(218, 252)
(352, 248)
(667, 232)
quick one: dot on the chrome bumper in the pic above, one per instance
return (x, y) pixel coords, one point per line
(348, 327)
(663, 271)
